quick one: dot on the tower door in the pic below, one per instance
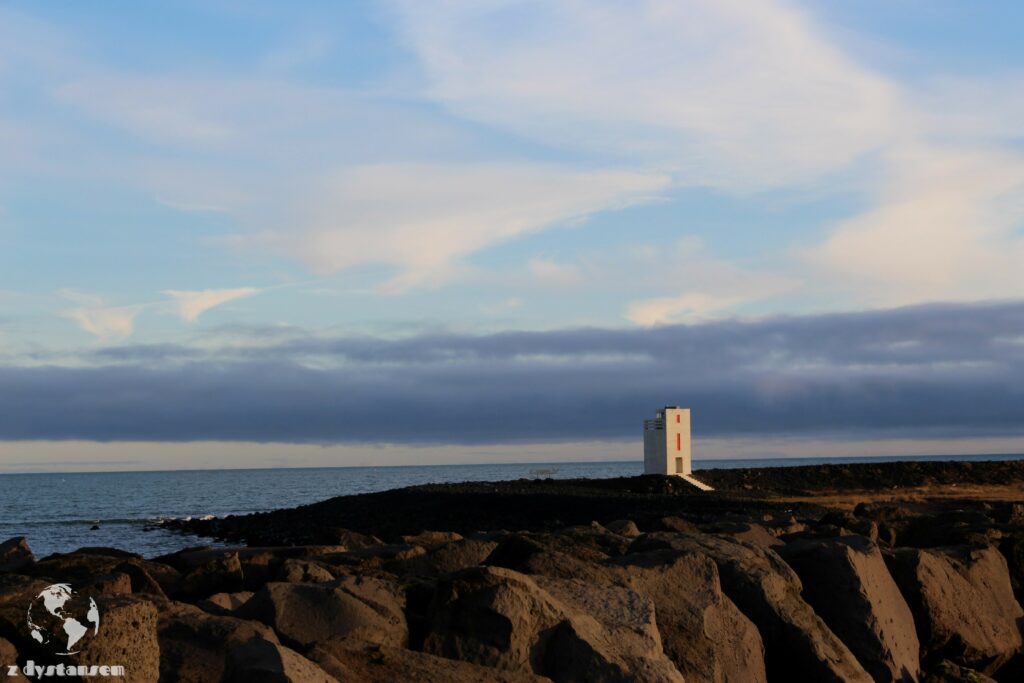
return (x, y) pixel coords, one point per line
(679, 465)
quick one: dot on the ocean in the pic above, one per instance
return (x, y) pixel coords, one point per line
(57, 512)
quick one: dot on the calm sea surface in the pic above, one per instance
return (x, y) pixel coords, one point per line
(57, 511)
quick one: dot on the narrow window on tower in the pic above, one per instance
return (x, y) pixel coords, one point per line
(679, 442)
(677, 418)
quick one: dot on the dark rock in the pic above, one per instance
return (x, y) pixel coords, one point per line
(745, 531)
(567, 630)
(962, 602)
(258, 564)
(677, 524)
(432, 539)
(1012, 547)
(590, 540)
(534, 554)
(347, 660)
(221, 574)
(846, 581)
(623, 527)
(798, 644)
(8, 653)
(127, 637)
(946, 671)
(224, 604)
(610, 635)
(115, 583)
(302, 614)
(84, 565)
(957, 526)
(445, 559)
(262, 661)
(15, 555)
(702, 631)
(304, 571)
(16, 594)
(194, 645)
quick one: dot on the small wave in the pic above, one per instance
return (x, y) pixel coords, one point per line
(75, 522)
(187, 518)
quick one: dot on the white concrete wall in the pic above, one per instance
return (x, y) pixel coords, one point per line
(662, 448)
(677, 441)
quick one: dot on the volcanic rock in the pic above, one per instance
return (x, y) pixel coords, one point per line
(567, 630)
(347, 660)
(846, 581)
(962, 602)
(15, 554)
(220, 574)
(263, 661)
(127, 637)
(302, 614)
(798, 644)
(194, 645)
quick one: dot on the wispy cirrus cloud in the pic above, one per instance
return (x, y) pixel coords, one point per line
(106, 323)
(422, 219)
(725, 93)
(190, 304)
(741, 96)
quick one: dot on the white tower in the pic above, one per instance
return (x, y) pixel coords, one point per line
(667, 442)
(667, 445)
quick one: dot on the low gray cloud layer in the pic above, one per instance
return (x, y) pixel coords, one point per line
(954, 370)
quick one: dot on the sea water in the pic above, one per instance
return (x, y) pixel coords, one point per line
(58, 512)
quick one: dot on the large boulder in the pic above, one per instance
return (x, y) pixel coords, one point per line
(1012, 548)
(541, 554)
(15, 555)
(349, 660)
(946, 671)
(9, 657)
(610, 635)
(798, 644)
(432, 539)
(224, 604)
(446, 558)
(195, 646)
(568, 630)
(127, 637)
(262, 661)
(257, 564)
(745, 531)
(221, 574)
(16, 594)
(304, 571)
(623, 527)
(847, 583)
(963, 604)
(85, 565)
(702, 631)
(302, 614)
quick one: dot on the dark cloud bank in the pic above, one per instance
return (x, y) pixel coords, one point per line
(954, 370)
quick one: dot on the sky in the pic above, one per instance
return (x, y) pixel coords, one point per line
(425, 231)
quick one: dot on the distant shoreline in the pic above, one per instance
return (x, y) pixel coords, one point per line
(699, 463)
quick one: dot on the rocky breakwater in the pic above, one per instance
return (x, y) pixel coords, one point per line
(893, 592)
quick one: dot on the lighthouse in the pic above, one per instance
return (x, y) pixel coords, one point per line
(667, 447)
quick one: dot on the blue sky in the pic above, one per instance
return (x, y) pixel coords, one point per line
(213, 176)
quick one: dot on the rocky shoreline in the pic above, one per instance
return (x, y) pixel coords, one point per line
(828, 573)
